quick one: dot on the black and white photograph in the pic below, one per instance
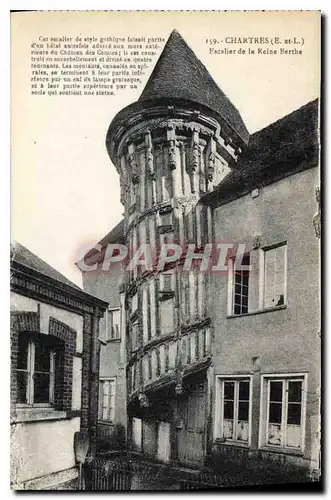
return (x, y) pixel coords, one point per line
(165, 316)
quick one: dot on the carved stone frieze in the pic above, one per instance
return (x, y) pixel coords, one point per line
(195, 156)
(211, 166)
(132, 164)
(125, 187)
(176, 123)
(172, 154)
(149, 154)
(185, 203)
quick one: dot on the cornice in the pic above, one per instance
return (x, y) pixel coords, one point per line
(29, 282)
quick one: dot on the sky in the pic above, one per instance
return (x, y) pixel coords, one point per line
(64, 189)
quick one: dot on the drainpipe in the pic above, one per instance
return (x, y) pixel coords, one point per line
(94, 381)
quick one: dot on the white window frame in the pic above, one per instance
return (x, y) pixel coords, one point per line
(231, 286)
(264, 409)
(100, 410)
(109, 336)
(219, 408)
(30, 378)
(262, 274)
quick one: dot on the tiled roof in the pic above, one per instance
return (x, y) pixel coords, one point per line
(115, 235)
(282, 148)
(178, 74)
(22, 255)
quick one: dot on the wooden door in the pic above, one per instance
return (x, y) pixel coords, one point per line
(191, 437)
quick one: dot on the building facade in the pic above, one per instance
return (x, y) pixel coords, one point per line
(107, 284)
(54, 373)
(222, 363)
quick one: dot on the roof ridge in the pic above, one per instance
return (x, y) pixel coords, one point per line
(17, 251)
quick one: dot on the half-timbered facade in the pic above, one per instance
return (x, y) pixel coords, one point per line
(222, 368)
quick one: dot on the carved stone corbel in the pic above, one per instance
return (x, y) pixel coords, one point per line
(172, 155)
(211, 166)
(211, 160)
(124, 192)
(171, 138)
(194, 158)
(143, 400)
(132, 164)
(124, 185)
(149, 154)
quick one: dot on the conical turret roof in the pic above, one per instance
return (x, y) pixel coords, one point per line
(178, 74)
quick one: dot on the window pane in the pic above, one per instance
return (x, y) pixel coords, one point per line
(293, 436)
(166, 308)
(294, 413)
(105, 388)
(294, 391)
(240, 292)
(243, 410)
(105, 413)
(228, 390)
(242, 431)
(271, 255)
(275, 413)
(228, 409)
(279, 297)
(22, 382)
(274, 435)
(41, 388)
(22, 361)
(244, 390)
(275, 277)
(166, 219)
(135, 336)
(228, 429)
(167, 283)
(237, 309)
(42, 357)
(269, 300)
(279, 253)
(276, 391)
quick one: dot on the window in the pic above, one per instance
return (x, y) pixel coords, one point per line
(166, 283)
(107, 400)
(233, 410)
(238, 290)
(35, 372)
(283, 412)
(113, 324)
(166, 302)
(135, 336)
(274, 272)
(166, 218)
(167, 238)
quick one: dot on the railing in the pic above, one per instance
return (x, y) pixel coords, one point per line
(161, 360)
(124, 474)
(136, 473)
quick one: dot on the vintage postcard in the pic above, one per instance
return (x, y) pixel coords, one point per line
(165, 262)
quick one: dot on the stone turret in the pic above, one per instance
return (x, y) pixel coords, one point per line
(170, 147)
